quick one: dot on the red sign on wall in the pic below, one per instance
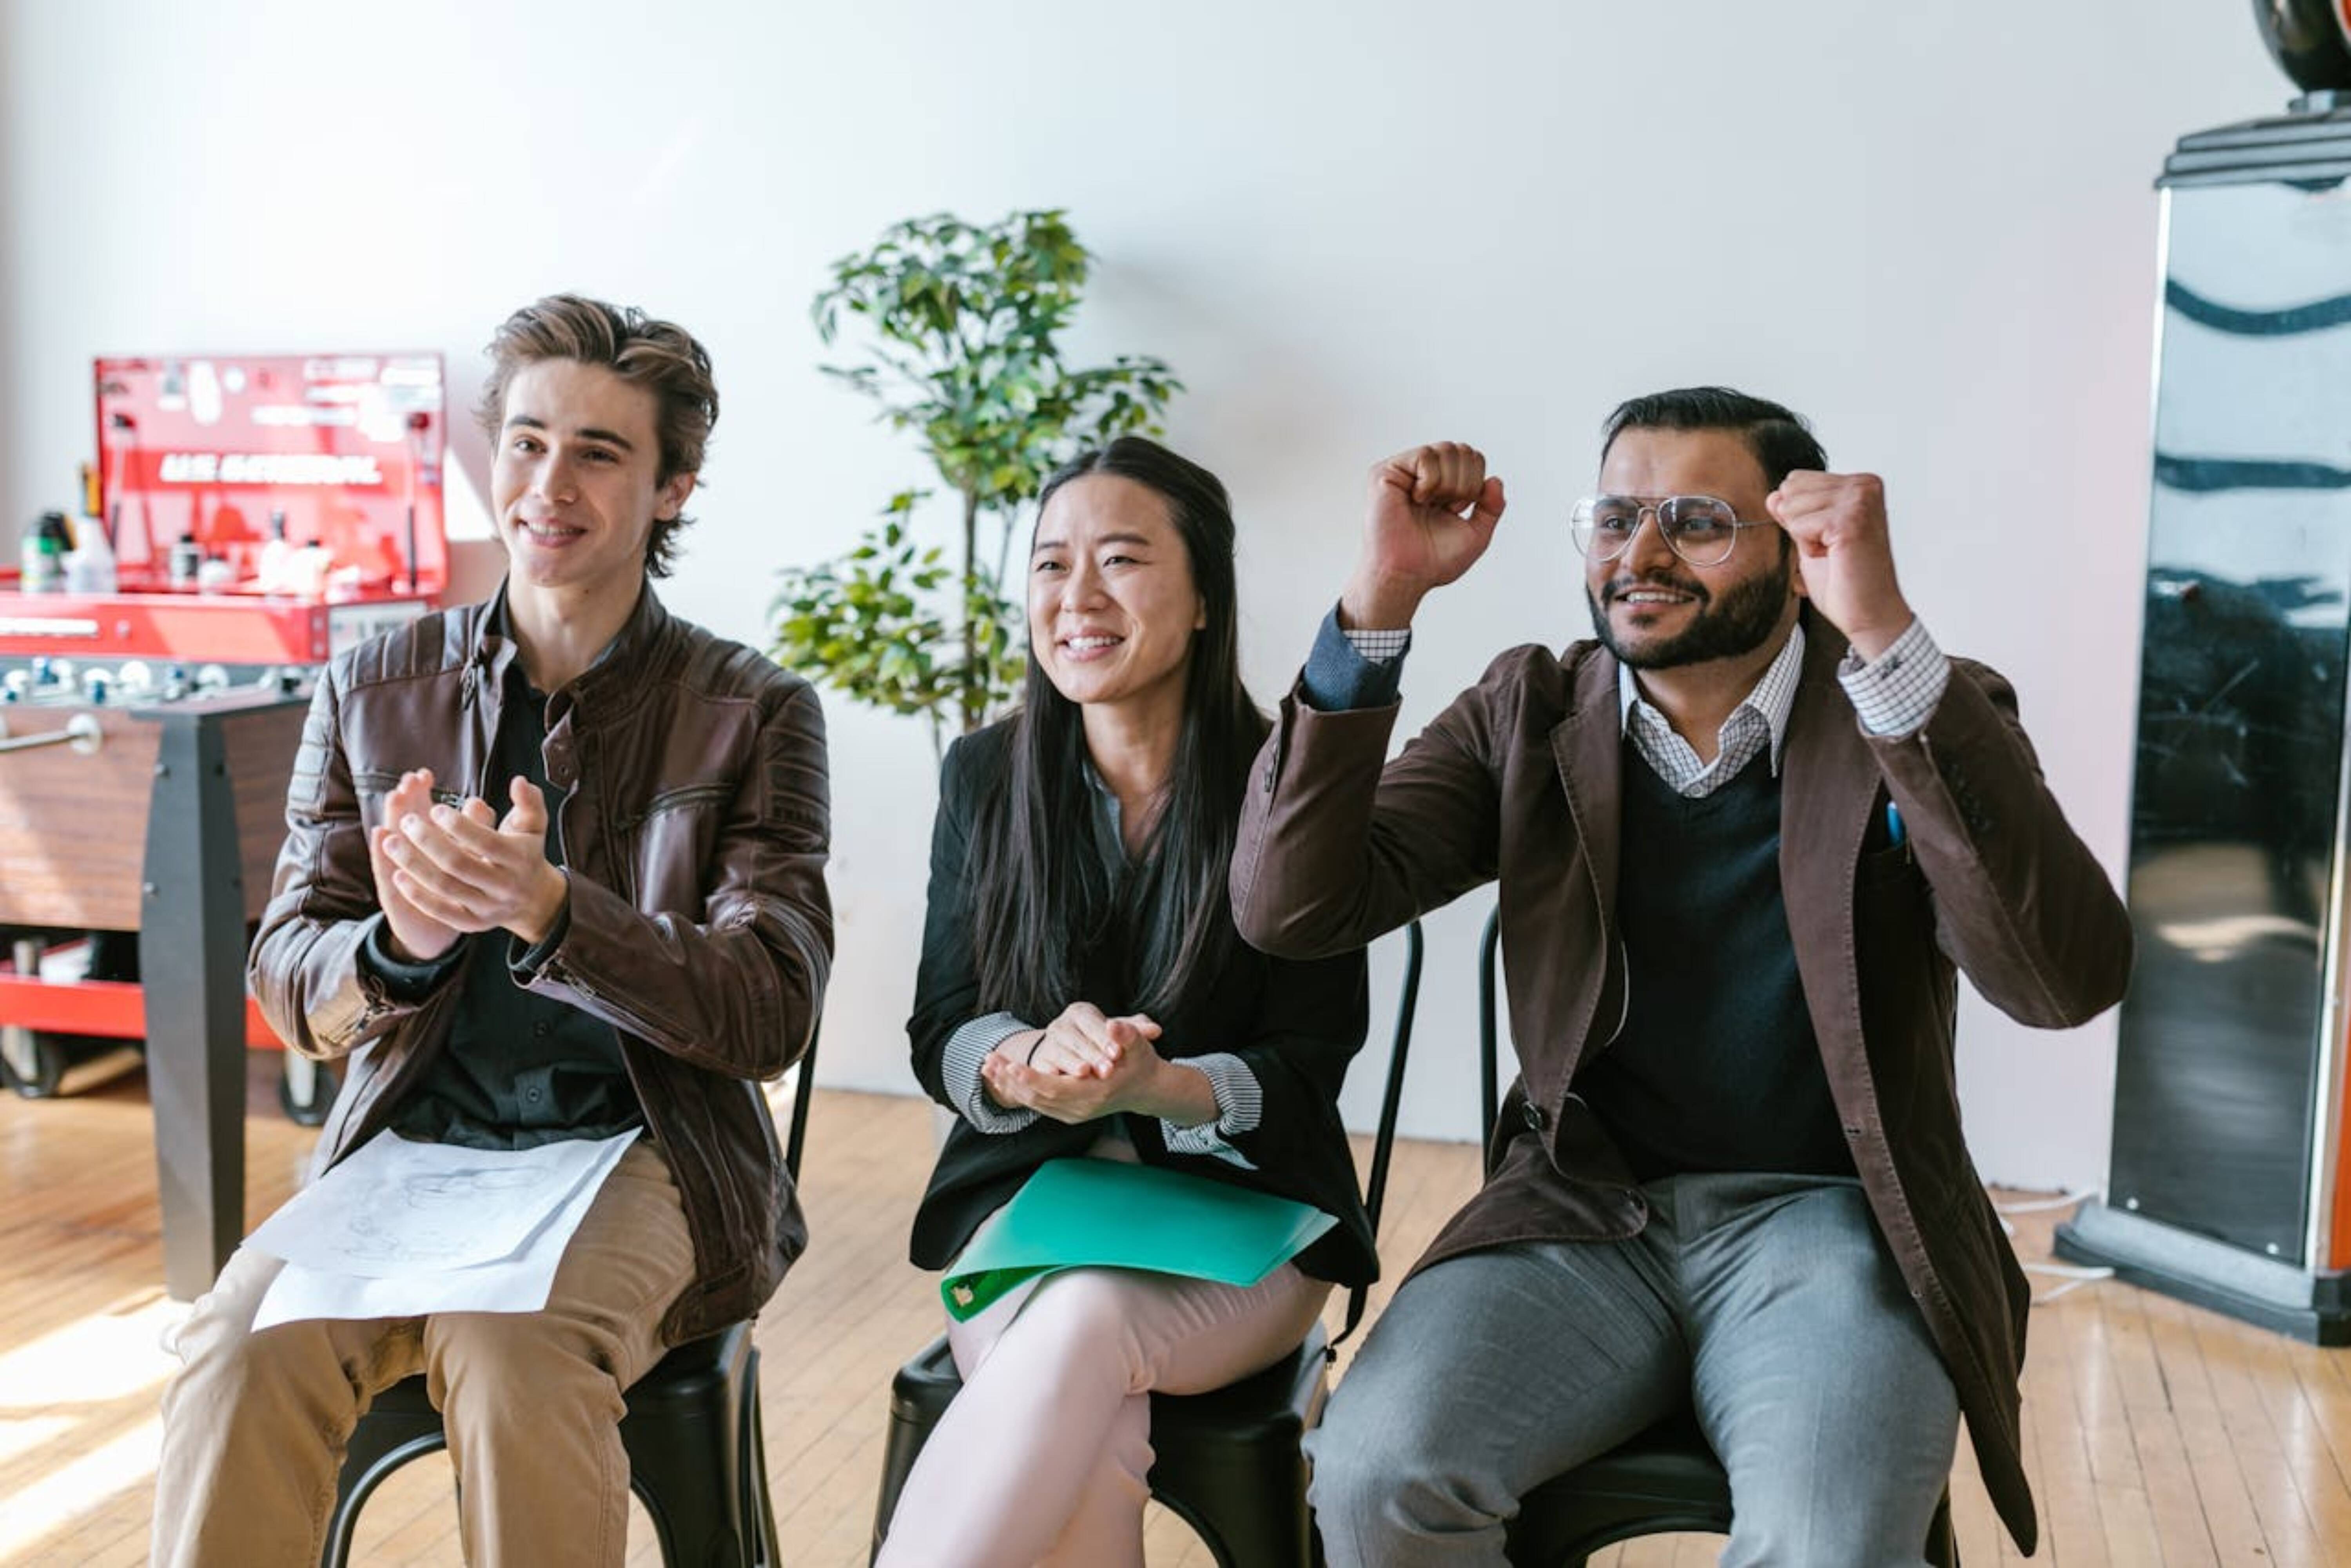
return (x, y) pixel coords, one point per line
(339, 454)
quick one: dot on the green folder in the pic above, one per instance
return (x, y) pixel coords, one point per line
(1085, 1213)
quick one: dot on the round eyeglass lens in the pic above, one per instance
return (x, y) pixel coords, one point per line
(1700, 528)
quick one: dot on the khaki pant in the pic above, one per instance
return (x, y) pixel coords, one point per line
(254, 1423)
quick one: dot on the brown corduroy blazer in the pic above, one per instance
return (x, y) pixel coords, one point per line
(1517, 782)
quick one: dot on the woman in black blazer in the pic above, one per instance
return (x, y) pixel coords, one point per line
(1084, 993)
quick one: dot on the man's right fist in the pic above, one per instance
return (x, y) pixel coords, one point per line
(1432, 513)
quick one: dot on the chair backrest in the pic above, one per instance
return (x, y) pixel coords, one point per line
(1489, 1089)
(803, 1091)
(1375, 1187)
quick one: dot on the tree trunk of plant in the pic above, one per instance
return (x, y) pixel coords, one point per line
(975, 679)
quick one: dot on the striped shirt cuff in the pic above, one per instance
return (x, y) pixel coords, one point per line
(1896, 693)
(959, 1068)
(1240, 1105)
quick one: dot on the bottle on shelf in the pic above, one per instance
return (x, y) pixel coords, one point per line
(91, 566)
(272, 573)
(187, 558)
(42, 555)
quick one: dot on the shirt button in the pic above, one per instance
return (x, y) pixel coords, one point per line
(1533, 1114)
(532, 1095)
(540, 1028)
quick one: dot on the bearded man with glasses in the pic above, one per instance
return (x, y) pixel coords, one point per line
(1742, 838)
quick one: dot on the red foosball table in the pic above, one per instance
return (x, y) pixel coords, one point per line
(259, 513)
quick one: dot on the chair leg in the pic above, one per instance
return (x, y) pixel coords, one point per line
(758, 1510)
(692, 1511)
(706, 1494)
(901, 1444)
(1942, 1539)
(380, 1445)
(1247, 1512)
(695, 1503)
(1942, 1545)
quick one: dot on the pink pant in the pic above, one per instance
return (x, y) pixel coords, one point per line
(1043, 1458)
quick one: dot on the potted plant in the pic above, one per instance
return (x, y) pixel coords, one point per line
(962, 323)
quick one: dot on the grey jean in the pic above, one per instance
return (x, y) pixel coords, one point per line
(1767, 1301)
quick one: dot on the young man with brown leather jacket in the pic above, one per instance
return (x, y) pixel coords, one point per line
(554, 869)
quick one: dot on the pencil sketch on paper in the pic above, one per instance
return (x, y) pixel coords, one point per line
(509, 1231)
(395, 1207)
(432, 1222)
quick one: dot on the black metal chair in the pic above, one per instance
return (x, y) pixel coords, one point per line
(1663, 1480)
(1226, 1462)
(697, 1452)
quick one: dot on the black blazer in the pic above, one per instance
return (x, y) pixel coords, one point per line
(1297, 1024)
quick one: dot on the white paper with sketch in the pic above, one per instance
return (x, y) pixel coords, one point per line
(411, 1228)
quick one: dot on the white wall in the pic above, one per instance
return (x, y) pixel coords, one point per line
(1351, 226)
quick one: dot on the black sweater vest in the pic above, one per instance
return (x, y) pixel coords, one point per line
(1716, 1068)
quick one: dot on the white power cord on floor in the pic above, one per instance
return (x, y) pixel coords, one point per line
(2075, 1275)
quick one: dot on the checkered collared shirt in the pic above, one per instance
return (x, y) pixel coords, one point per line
(1893, 695)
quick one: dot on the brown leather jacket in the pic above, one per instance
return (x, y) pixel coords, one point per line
(694, 834)
(1517, 782)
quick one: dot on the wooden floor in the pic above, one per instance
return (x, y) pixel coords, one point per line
(2154, 1433)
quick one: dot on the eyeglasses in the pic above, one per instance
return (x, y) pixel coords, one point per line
(1700, 529)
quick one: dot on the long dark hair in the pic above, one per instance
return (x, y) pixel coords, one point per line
(1048, 900)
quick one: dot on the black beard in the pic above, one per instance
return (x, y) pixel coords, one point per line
(1740, 622)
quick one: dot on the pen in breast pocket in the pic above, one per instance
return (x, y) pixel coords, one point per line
(1894, 830)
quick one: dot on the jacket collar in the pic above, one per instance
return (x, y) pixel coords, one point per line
(1588, 748)
(1825, 817)
(492, 648)
(1831, 781)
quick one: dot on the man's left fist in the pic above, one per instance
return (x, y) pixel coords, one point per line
(1838, 522)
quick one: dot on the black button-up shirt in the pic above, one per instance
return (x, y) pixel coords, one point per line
(518, 1068)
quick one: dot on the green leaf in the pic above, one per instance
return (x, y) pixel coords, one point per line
(961, 346)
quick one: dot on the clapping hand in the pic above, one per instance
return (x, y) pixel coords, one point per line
(444, 870)
(1085, 1065)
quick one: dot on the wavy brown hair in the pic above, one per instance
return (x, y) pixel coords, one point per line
(661, 356)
